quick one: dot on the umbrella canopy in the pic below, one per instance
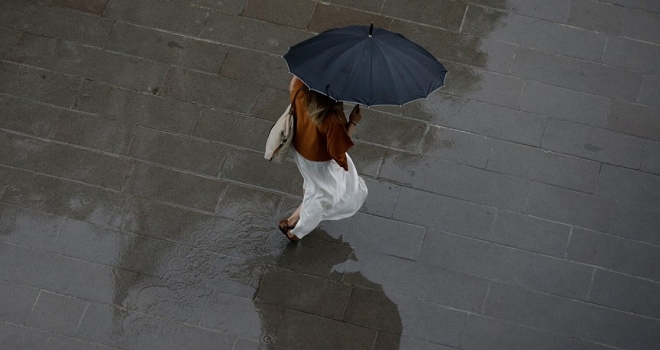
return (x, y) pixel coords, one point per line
(366, 65)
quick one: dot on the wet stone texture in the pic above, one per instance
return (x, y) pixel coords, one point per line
(518, 207)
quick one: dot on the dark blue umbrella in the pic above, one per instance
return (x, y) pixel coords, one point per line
(366, 65)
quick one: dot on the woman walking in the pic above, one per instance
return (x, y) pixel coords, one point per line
(332, 189)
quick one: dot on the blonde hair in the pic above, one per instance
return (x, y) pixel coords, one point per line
(320, 106)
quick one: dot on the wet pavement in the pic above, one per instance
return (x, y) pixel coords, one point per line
(516, 208)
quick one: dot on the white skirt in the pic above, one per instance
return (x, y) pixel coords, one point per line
(331, 193)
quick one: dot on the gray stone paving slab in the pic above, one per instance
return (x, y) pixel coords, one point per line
(169, 15)
(228, 6)
(32, 17)
(649, 94)
(130, 72)
(166, 297)
(167, 222)
(271, 103)
(28, 227)
(17, 302)
(614, 253)
(105, 246)
(256, 67)
(565, 104)
(630, 186)
(211, 90)
(597, 16)
(319, 257)
(60, 342)
(241, 166)
(368, 159)
(484, 119)
(635, 222)
(92, 131)
(292, 13)
(20, 337)
(251, 34)
(571, 317)
(361, 304)
(651, 157)
(443, 14)
(431, 323)
(488, 333)
(330, 299)
(498, 89)
(165, 47)
(469, 49)
(328, 16)
(442, 212)
(57, 313)
(632, 54)
(8, 39)
(567, 206)
(528, 233)
(637, 4)
(547, 167)
(593, 143)
(501, 263)
(454, 180)
(92, 6)
(27, 116)
(390, 341)
(150, 181)
(417, 280)
(457, 146)
(38, 84)
(63, 275)
(386, 130)
(181, 152)
(367, 5)
(234, 315)
(538, 34)
(133, 107)
(65, 198)
(245, 344)
(381, 199)
(634, 119)
(626, 293)
(555, 11)
(321, 333)
(145, 332)
(226, 127)
(576, 74)
(378, 234)
(641, 25)
(62, 161)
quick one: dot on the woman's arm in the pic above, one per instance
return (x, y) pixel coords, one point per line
(353, 120)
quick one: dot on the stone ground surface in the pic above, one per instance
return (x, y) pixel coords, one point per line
(516, 208)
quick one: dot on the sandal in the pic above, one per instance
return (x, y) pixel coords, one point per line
(285, 229)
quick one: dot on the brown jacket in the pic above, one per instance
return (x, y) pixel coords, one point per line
(320, 143)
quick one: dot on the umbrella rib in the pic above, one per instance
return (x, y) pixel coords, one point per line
(406, 67)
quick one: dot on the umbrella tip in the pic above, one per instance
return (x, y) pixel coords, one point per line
(371, 30)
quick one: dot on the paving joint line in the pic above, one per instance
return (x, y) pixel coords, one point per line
(27, 319)
(460, 28)
(591, 285)
(81, 318)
